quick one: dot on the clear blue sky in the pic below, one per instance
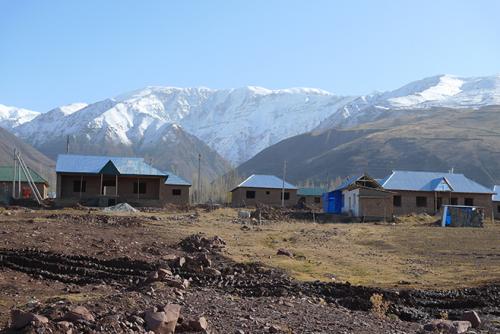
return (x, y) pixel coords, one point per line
(58, 52)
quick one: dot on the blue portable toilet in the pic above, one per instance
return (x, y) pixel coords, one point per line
(332, 201)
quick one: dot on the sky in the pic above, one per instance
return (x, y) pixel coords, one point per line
(58, 52)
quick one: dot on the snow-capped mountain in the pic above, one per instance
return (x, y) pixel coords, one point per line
(11, 117)
(438, 91)
(235, 123)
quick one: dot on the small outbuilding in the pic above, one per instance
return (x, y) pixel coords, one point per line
(263, 189)
(176, 190)
(360, 196)
(311, 196)
(7, 191)
(496, 202)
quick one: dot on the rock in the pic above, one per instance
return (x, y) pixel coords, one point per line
(473, 318)
(20, 319)
(163, 273)
(79, 313)
(163, 322)
(212, 271)
(447, 326)
(243, 214)
(284, 252)
(177, 282)
(197, 325)
(274, 329)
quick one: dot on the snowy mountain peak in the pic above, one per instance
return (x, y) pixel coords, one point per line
(11, 117)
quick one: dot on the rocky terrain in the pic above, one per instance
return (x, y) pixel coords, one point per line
(79, 271)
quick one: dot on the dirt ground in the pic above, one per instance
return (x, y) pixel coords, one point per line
(412, 254)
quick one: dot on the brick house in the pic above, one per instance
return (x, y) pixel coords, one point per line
(6, 181)
(312, 197)
(426, 192)
(263, 189)
(104, 181)
(176, 189)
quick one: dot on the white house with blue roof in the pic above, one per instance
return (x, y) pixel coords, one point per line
(419, 192)
(106, 180)
(264, 189)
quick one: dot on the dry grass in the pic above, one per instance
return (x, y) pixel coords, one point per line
(411, 253)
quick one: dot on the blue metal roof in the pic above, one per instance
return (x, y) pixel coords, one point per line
(432, 181)
(90, 164)
(264, 181)
(311, 191)
(174, 180)
(496, 197)
(348, 181)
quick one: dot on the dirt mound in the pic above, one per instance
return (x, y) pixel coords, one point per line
(199, 243)
(269, 213)
(121, 207)
(75, 269)
(103, 220)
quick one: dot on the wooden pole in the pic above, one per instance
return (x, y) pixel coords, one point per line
(14, 178)
(138, 190)
(81, 185)
(283, 186)
(100, 189)
(116, 185)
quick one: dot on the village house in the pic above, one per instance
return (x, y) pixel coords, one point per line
(496, 202)
(6, 184)
(176, 189)
(263, 189)
(311, 197)
(360, 196)
(104, 181)
(426, 192)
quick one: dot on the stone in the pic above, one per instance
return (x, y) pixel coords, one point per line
(195, 325)
(274, 329)
(447, 326)
(20, 319)
(79, 313)
(212, 271)
(157, 322)
(284, 252)
(473, 318)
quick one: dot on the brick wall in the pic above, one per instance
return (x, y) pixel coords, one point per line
(262, 196)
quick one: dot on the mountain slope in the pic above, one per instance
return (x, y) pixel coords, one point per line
(33, 158)
(439, 91)
(466, 140)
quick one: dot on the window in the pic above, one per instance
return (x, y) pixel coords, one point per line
(139, 188)
(286, 196)
(176, 192)
(250, 194)
(77, 184)
(469, 201)
(453, 201)
(421, 202)
(268, 192)
(396, 201)
(317, 199)
(498, 208)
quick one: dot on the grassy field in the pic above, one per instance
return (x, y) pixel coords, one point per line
(412, 253)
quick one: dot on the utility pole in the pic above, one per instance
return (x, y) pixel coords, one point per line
(67, 144)
(199, 178)
(283, 187)
(14, 178)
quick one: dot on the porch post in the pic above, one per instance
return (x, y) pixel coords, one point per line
(138, 191)
(116, 185)
(81, 185)
(100, 188)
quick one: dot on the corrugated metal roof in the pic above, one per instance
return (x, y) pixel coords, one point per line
(7, 175)
(432, 181)
(496, 197)
(174, 180)
(91, 164)
(348, 181)
(311, 191)
(264, 181)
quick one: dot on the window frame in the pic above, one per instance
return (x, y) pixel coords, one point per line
(250, 194)
(140, 188)
(176, 192)
(469, 199)
(421, 201)
(77, 184)
(397, 201)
